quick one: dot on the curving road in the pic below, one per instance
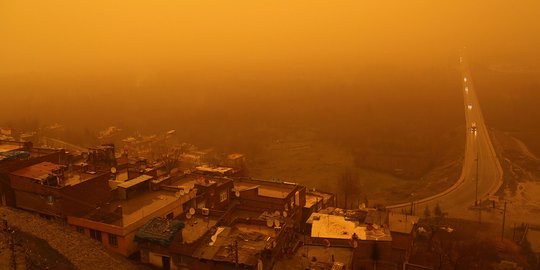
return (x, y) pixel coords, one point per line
(481, 167)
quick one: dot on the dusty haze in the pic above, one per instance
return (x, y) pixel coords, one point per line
(377, 78)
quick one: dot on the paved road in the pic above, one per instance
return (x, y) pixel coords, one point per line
(56, 143)
(457, 199)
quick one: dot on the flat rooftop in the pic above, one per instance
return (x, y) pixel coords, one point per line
(251, 239)
(312, 199)
(134, 209)
(326, 257)
(196, 226)
(209, 169)
(266, 189)
(235, 156)
(326, 196)
(38, 171)
(337, 227)
(401, 223)
(42, 170)
(135, 181)
(6, 147)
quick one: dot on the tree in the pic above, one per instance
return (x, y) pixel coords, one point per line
(427, 212)
(348, 180)
(439, 214)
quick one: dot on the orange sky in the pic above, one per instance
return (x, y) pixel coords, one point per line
(103, 36)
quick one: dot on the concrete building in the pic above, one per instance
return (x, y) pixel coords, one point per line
(139, 200)
(285, 198)
(402, 228)
(116, 222)
(52, 190)
(315, 201)
(16, 155)
(211, 240)
(364, 231)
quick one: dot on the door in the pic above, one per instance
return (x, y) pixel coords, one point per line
(166, 262)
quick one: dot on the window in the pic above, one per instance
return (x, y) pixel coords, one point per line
(223, 196)
(50, 199)
(80, 229)
(113, 241)
(95, 235)
(177, 259)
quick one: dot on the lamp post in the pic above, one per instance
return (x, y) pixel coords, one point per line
(477, 149)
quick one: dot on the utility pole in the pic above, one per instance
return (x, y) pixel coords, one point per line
(235, 254)
(504, 219)
(477, 166)
(476, 193)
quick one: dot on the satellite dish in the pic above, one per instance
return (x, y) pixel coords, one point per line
(277, 223)
(269, 223)
(188, 216)
(192, 211)
(285, 214)
(113, 170)
(237, 193)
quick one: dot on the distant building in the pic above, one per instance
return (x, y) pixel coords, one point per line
(285, 198)
(52, 190)
(215, 171)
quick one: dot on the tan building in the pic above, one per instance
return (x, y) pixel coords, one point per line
(52, 190)
(116, 223)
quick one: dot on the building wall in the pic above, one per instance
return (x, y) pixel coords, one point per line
(60, 202)
(214, 197)
(250, 200)
(363, 255)
(7, 194)
(85, 196)
(156, 259)
(126, 234)
(401, 245)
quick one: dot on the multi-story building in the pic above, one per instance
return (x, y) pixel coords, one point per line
(285, 198)
(16, 155)
(52, 190)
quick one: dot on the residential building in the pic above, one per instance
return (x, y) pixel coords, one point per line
(15, 155)
(55, 191)
(285, 198)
